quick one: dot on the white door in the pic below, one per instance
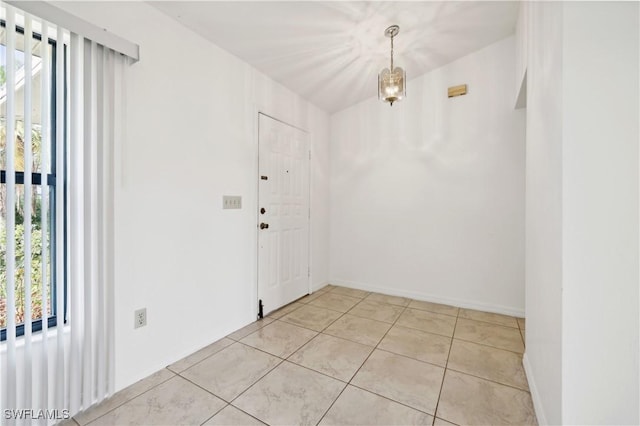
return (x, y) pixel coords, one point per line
(283, 214)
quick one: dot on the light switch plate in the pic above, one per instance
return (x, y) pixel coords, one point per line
(231, 202)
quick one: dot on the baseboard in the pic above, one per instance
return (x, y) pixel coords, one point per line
(533, 388)
(318, 286)
(461, 303)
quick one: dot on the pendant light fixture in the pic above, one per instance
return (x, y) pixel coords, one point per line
(391, 81)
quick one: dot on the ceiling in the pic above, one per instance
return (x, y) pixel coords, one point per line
(330, 52)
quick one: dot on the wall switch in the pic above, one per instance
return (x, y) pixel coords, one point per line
(140, 318)
(231, 202)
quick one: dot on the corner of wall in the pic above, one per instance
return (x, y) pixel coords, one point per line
(535, 395)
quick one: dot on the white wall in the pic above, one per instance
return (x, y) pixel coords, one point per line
(320, 200)
(427, 196)
(522, 54)
(582, 212)
(191, 115)
(600, 213)
(543, 359)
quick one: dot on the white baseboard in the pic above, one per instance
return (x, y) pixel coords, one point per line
(461, 303)
(533, 388)
(318, 286)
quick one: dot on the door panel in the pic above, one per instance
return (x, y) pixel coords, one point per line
(283, 247)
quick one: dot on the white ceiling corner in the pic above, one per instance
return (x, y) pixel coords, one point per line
(330, 52)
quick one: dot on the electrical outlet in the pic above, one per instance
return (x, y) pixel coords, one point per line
(140, 318)
(231, 202)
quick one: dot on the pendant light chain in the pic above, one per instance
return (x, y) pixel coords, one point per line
(391, 53)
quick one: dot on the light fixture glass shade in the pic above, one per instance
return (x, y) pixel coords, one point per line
(391, 84)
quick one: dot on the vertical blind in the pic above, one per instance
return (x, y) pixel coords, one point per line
(59, 97)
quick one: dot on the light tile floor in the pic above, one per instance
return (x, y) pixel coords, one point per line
(342, 357)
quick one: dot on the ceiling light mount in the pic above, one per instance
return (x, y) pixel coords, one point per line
(392, 31)
(391, 81)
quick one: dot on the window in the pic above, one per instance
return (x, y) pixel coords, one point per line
(43, 177)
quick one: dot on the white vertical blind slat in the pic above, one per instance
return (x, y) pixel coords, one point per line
(3, 383)
(28, 161)
(10, 149)
(76, 223)
(69, 324)
(101, 344)
(114, 88)
(45, 141)
(90, 212)
(60, 370)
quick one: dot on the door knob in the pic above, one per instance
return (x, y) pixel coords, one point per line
(264, 225)
(262, 211)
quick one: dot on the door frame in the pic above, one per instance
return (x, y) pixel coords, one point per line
(256, 114)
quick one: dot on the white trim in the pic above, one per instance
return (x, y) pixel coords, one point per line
(255, 143)
(533, 388)
(282, 121)
(309, 230)
(74, 24)
(461, 303)
(315, 288)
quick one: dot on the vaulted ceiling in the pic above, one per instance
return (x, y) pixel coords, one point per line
(331, 51)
